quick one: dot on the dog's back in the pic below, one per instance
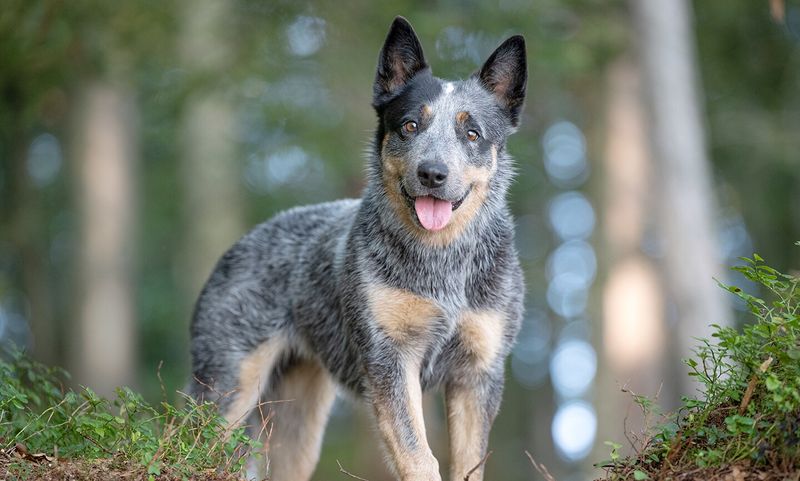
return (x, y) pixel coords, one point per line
(257, 286)
(415, 286)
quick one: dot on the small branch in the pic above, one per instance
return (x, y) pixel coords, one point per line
(751, 386)
(89, 438)
(540, 468)
(480, 463)
(342, 470)
(161, 381)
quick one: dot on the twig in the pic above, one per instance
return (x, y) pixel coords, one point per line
(210, 388)
(751, 386)
(541, 468)
(161, 381)
(265, 420)
(89, 438)
(480, 463)
(342, 470)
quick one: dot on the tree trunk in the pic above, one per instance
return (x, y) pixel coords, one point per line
(633, 334)
(28, 234)
(210, 179)
(684, 195)
(104, 357)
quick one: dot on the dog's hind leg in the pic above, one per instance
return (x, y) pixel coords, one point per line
(304, 395)
(235, 380)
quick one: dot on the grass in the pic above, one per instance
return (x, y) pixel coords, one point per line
(745, 422)
(50, 432)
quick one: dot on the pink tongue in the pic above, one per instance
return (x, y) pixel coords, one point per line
(433, 213)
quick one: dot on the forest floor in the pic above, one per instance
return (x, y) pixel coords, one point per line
(39, 467)
(739, 471)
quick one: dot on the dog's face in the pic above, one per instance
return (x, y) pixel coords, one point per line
(439, 140)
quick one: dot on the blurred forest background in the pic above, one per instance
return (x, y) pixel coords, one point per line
(139, 139)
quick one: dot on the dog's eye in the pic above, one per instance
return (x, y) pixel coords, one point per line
(410, 127)
(472, 135)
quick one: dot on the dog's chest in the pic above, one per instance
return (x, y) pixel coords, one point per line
(424, 327)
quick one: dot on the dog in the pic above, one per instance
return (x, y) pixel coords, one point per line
(414, 286)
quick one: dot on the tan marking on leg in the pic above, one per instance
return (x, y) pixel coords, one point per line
(481, 334)
(401, 314)
(299, 422)
(409, 464)
(254, 372)
(468, 429)
(462, 117)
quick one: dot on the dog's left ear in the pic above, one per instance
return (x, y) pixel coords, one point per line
(505, 74)
(400, 59)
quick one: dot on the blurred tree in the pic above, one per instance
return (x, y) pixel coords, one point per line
(209, 169)
(750, 69)
(633, 329)
(32, 48)
(685, 204)
(104, 355)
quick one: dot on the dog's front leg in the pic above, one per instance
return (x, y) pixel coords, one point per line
(471, 408)
(397, 399)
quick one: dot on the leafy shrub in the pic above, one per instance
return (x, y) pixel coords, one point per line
(748, 410)
(38, 415)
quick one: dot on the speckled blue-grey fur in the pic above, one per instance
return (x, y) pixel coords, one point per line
(305, 275)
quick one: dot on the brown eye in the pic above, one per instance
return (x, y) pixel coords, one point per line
(472, 135)
(410, 126)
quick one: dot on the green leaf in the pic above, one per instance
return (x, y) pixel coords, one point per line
(154, 468)
(640, 475)
(772, 383)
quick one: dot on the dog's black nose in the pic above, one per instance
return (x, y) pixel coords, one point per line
(432, 174)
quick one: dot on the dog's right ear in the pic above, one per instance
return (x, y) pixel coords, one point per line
(400, 59)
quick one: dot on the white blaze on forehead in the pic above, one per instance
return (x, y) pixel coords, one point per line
(448, 88)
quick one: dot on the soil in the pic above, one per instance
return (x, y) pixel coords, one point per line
(742, 471)
(14, 467)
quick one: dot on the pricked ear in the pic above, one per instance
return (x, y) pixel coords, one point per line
(505, 74)
(400, 59)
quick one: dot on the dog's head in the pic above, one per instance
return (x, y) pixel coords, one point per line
(440, 142)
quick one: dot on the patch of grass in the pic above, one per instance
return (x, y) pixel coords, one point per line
(745, 423)
(42, 422)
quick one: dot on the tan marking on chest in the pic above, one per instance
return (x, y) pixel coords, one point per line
(481, 334)
(401, 314)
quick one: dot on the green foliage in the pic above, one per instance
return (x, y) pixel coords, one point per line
(37, 412)
(748, 409)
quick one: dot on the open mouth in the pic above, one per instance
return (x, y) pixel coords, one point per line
(433, 213)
